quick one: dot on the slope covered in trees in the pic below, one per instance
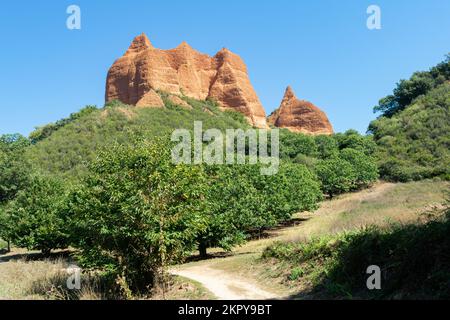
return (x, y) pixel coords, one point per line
(413, 133)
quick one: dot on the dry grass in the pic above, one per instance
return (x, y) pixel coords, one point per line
(29, 276)
(382, 204)
(181, 288)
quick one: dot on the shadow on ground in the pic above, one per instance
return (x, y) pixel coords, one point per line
(34, 256)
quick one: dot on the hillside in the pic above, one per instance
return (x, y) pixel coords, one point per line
(68, 149)
(413, 132)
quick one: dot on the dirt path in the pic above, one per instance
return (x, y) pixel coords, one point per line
(223, 285)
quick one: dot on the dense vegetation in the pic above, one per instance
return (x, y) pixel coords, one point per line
(413, 132)
(342, 162)
(102, 181)
(68, 150)
(413, 258)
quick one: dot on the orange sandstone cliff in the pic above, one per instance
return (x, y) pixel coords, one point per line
(135, 78)
(300, 116)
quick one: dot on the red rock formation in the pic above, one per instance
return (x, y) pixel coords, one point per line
(134, 78)
(300, 116)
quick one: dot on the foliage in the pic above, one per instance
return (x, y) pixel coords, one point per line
(14, 174)
(136, 212)
(352, 139)
(37, 217)
(242, 201)
(337, 176)
(292, 144)
(69, 150)
(364, 166)
(14, 169)
(327, 146)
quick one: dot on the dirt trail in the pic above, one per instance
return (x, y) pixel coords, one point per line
(224, 285)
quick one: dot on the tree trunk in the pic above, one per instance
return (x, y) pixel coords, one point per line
(202, 249)
(8, 248)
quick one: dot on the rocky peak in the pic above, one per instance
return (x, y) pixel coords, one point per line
(300, 116)
(139, 43)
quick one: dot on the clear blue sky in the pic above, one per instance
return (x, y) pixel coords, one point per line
(321, 48)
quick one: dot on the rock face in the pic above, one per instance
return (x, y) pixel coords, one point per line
(135, 77)
(300, 116)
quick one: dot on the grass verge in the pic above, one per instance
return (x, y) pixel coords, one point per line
(414, 260)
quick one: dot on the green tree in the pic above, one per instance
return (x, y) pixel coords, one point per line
(336, 175)
(364, 166)
(327, 146)
(414, 144)
(15, 170)
(235, 207)
(244, 202)
(14, 175)
(352, 139)
(293, 144)
(407, 91)
(37, 217)
(137, 212)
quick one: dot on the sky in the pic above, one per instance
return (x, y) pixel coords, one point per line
(323, 49)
